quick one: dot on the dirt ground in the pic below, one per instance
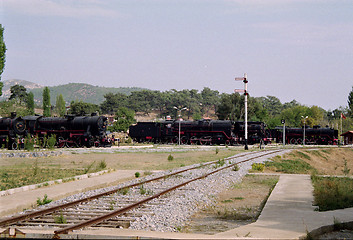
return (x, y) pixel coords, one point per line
(239, 205)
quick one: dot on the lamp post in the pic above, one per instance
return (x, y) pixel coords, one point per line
(179, 120)
(304, 130)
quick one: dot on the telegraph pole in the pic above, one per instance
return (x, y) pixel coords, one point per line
(245, 80)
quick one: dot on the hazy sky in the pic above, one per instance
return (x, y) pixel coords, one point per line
(292, 49)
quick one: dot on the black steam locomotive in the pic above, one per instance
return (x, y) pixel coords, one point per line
(316, 135)
(70, 131)
(198, 132)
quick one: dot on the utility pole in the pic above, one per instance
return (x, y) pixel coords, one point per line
(245, 80)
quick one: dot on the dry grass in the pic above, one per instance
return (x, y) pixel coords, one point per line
(329, 161)
(16, 172)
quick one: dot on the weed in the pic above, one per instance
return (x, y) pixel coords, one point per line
(170, 158)
(142, 190)
(124, 191)
(217, 150)
(60, 219)
(44, 201)
(137, 174)
(346, 170)
(237, 198)
(147, 173)
(219, 163)
(89, 167)
(102, 164)
(258, 167)
(235, 168)
(227, 201)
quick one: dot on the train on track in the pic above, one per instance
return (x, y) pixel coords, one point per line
(313, 136)
(210, 132)
(69, 131)
(204, 132)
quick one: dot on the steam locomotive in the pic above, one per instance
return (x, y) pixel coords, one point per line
(70, 131)
(316, 135)
(204, 132)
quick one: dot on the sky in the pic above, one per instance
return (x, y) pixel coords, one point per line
(291, 49)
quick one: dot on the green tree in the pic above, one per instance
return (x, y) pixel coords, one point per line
(60, 105)
(2, 55)
(19, 93)
(350, 103)
(46, 102)
(82, 108)
(124, 118)
(30, 103)
(112, 102)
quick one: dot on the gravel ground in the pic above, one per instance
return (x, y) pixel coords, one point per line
(179, 205)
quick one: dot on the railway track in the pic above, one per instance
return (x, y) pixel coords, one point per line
(121, 206)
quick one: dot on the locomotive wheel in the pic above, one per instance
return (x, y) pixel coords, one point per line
(61, 142)
(293, 141)
(194, 140)
(299, 141)
(184, 140)
(71, 144)
(14, 146)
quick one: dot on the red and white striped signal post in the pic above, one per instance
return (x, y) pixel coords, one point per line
(245, 80)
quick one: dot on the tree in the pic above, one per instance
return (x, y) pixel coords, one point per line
(112, 102)
(60, 105)
(82, 108)
(124, 118)
(46, 102)
(350, 103)
(19, 93)
(2, 55)
(30, 103)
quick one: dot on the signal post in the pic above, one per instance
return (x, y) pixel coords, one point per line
(245, 91)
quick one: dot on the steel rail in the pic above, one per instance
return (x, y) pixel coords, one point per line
(137, 204)
(17, 218)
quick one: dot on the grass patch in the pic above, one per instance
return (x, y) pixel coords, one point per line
(332, 193)
(290, 166)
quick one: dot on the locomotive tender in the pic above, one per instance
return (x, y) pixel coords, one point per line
(70, 131)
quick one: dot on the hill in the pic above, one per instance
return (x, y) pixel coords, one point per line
(71, 92)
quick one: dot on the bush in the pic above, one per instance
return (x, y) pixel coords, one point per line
(51, 141)
(29, 143)
(137, 174)
(332, 193)
(170, 157)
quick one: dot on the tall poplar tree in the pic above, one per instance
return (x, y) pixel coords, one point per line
(350, 102)
(30, 103)
(2, 55)
(46, 102)
(60, 105)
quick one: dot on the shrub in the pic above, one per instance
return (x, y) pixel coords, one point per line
(137, 174)
(170, 157)
(51, 141)
(29, 144)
